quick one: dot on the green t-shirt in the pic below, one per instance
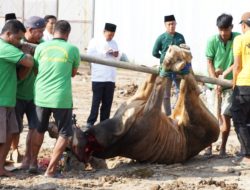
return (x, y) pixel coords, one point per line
(162, 43)
(25, 87)
(221, 54)
(9, 57)
(55, 60)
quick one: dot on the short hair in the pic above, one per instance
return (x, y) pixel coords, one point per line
(14, 26)
(62, 26)
(224, 21)
(247, 23)
(47, 17)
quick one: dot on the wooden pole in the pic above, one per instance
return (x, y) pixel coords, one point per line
(144, 69)
(119, 64)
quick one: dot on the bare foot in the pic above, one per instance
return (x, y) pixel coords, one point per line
(5, 173)
(55, 175)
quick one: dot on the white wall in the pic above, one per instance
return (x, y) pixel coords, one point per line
(39, 8)
(141, 21)
(9, 6)
(77, 12)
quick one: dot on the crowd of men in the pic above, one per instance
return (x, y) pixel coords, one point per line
(37, 81)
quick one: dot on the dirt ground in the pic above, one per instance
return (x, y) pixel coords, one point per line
(199, 172)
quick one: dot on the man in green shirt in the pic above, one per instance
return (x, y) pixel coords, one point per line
(57, 61)
(170, 37)
(10, 57)
(219, 53)
(25, 105)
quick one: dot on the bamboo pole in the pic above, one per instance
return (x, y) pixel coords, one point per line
(144, 69)
(119, 64)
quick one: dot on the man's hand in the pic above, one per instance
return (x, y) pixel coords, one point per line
(218, 72)
(113, 53)
(28, 49)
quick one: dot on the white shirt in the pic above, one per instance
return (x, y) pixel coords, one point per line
(100, 48)
(47, 36)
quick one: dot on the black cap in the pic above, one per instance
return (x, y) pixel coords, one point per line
(10, 16)
(110, 27)
(169, 18)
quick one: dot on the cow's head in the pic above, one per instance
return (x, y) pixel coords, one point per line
(177, 57)
(83, 144)
(79, 143)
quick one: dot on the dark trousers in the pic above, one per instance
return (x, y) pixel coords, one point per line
(240, 112)
(26, 107)
(63, 119)
(103, 93)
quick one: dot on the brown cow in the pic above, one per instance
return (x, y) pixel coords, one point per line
(140, 130)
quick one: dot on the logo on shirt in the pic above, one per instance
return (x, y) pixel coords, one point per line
(248, 45)
(54, 54)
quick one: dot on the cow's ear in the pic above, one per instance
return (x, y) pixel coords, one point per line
(77, 133)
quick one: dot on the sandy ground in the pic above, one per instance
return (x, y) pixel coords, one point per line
(199, 172)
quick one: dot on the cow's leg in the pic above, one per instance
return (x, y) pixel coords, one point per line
(193, 105)
(145, 90)
(179, 107)
(127, 113)
(154, 102)
(201, 126)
